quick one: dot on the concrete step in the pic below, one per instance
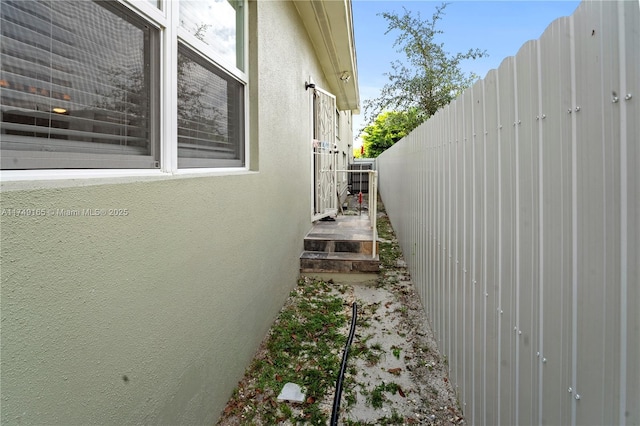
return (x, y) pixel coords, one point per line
(339, 262)
(332, 245)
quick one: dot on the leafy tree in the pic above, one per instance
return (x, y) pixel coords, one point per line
(430, 77)
(387, 129)
(358, 151)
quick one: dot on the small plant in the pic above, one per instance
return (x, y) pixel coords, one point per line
(396, 351)
(395, 419)
(371, 354)
(377, 397)
(350, 395)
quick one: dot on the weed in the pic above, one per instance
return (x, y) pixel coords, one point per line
(372, 358)
(371, 354)
(377, 397)
(395, 419)
(303, 347)
(396, 351)
(374, 354)
(350, 394)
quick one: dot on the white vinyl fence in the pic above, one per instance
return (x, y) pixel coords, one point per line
(517, 208)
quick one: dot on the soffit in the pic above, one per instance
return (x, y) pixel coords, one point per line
(329, 24)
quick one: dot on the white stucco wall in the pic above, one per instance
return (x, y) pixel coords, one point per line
(178, 294)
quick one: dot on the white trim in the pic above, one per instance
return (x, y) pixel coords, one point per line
(147, 11)
(246, 68)
(169, 96)
(310, 148)
(210, 55)
(39, 179)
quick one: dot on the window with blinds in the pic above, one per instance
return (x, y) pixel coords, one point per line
(80, 85)
(76, 86)
(210, 114)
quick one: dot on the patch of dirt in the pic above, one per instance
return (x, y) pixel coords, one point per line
(407, 383)
(395, 373)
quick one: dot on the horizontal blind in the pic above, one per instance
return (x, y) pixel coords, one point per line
(76, 78)
(210, 112)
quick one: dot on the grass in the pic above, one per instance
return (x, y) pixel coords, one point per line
(304, 346)
(376, 398)
(396, 351)
(389, 249)
(394, 419)
(370, 353)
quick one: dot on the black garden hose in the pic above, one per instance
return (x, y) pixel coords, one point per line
(338, 394)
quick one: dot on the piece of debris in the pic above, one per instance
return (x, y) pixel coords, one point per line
(291, 392)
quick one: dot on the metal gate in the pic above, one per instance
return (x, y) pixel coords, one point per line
(325, 201)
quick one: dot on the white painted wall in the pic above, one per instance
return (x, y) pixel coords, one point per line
(178, 294)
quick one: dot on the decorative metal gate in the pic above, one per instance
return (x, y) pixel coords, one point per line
(325, 201)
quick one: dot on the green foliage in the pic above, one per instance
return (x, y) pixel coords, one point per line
(388, 128)
(377, 396)
(357, 153)
(389, 249)
(303, 347)
(396, 351)
(428, 79)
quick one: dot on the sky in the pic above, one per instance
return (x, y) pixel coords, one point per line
(499, 27)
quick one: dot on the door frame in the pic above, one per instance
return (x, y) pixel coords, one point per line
(324, 201)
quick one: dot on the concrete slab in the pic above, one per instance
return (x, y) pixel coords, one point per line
(342, 246)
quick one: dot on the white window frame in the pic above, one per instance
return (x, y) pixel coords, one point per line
(166, 20)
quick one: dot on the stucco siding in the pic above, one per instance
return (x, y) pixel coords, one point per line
(152, 317)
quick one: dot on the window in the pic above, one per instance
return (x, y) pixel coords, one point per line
(210, 113)
(81, 85)
(218, 24)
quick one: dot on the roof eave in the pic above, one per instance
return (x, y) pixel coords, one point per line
(330, 27)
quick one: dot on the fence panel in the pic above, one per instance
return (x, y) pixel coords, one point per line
(629, 84)
(517, 207)
(508, 326)
(490, 248)
(555, 222)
